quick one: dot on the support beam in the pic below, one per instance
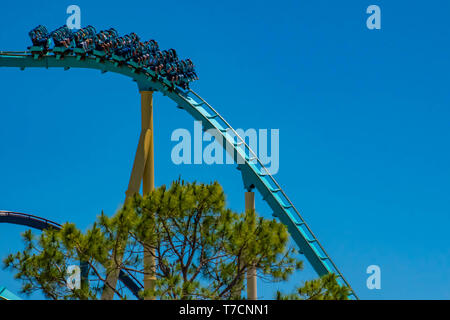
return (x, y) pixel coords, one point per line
(148, 181)
(252, 293)
(143, 171)
(134, 184)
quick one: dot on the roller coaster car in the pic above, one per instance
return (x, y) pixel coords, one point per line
(118, 50)
(153, 46)
(63, 40)
(99, 54)
(117, 58)
(169, 84)
(151, 73)
(38, 51)
(145, 57)
(80, 51)
(91, 30)
(62, 50)
(134, 37)
(163, 72)
(183, 85)
(136, 66)
(172, 54)
(40, 39)
(83, 41)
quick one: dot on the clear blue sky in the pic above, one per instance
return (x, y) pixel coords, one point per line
(363, 115)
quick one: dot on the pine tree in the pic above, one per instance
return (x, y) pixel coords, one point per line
(202, 249)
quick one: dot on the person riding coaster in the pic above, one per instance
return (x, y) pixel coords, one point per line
(140, 55)
(40, 36)
(62, 37)
(153, 46)
(126, 46)
(84, 38)
(105, 40)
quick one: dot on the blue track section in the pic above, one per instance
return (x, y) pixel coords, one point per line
(5, 294)
(40, 223)
(254, 174)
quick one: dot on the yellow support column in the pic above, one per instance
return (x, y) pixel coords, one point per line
(251, 272)
(143, 171)
(148, 181)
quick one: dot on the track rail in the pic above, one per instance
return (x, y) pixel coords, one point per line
(40, 223)
(254, 173)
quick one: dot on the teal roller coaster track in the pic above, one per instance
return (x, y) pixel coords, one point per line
(254, 173)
